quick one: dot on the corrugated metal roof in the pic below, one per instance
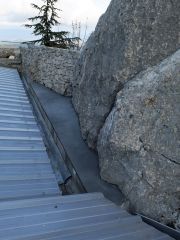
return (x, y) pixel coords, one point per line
(25, 169)
(31, 207)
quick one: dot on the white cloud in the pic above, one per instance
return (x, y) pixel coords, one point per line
(83, 9)
(14, 13)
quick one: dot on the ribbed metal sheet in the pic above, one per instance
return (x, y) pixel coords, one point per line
(31, 207)
(76, 217)
(25, 169)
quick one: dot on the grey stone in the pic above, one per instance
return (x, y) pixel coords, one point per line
(10, 57)
(130, 36)
(139, 145)
(51, 67)
(6, 52)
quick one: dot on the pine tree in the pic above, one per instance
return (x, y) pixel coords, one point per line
(43, 26)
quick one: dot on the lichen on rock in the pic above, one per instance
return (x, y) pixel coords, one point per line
(139, 145)
(52, 67)
(130, 37)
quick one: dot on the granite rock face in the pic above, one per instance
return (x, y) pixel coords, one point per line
(130, 36)
(139, 145)
(52, 67)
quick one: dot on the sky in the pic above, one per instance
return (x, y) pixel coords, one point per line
(14, 14)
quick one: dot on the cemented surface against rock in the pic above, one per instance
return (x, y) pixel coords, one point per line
(139, 145)
(127, 95)
(130, 36)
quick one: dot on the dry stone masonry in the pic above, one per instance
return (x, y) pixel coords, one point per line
(10, 57)
(6, 52)
(51, 67)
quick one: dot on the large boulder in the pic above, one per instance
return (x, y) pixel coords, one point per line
(139, 145)
(130, 36)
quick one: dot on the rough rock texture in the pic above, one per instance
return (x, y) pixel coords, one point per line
(10, 57)
(11, 63)
(6, 52)
(130, 36)
(139, 145)
(51, 67)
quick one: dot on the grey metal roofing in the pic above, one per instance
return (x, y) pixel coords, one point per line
(25, 170)
(31, 205)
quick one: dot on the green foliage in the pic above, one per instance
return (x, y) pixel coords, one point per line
(43, 26)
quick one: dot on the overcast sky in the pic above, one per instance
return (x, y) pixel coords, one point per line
(13, 14)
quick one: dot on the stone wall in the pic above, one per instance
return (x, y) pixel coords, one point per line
(51, 67)
(10, 57)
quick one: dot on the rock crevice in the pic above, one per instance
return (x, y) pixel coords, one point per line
(126, 93)
(141, 153)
